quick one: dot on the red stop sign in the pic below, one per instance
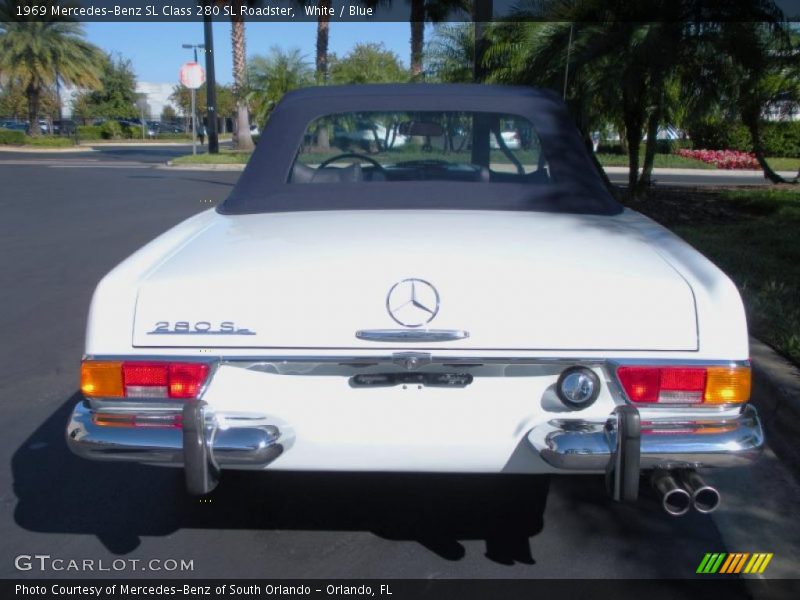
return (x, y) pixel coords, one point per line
(192, 75)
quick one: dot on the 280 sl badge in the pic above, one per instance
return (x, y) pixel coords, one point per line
(198, 328)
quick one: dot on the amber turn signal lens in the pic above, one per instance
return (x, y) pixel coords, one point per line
(727, 385)
(102, 379)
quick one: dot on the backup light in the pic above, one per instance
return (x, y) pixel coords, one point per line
(686, 385)
(142, 379)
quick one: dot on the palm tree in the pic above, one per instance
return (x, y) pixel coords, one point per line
(613, 70)
(625, 67)
(762, 69)
(271, 76)
(434, 11)
(37, 54)
(323, 31)
(241, 134)
(449, 56)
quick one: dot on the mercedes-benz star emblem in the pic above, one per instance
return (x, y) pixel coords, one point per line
(412, 302)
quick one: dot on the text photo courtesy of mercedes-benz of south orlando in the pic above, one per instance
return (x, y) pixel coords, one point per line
(412, 299)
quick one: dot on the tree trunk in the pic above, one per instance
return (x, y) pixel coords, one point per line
(417, 36)
(241, 134)
(633, 136)
(623, 141)
(751, 121)
(323, 32)
(34, 94)
(643, 184)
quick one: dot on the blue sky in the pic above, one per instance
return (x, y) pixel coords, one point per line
(156, 53)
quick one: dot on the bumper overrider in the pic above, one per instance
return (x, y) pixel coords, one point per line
(623, 445)
(205, 444)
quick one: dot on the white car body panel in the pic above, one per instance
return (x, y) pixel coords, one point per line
(581, 284)
(607, 287)
(337, 427)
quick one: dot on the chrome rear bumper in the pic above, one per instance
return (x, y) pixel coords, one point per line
(207, 442)
(622, 445)
(588, 446)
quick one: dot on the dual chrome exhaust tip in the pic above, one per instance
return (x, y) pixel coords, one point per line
(684, 489)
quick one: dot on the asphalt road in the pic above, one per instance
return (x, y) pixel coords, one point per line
(64, 224)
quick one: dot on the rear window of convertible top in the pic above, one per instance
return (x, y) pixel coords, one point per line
(374, 147)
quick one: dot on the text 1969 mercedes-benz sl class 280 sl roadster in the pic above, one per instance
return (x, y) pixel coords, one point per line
(390, 286)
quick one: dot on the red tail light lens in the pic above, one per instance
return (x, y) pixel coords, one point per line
(684, 385)
(139, 379)
(186, 379)
(145, 379)
(641, 384)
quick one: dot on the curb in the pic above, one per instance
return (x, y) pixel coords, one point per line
(134, 144)
(779, 405)
(202, 166)
(44, 149)
(703, 172)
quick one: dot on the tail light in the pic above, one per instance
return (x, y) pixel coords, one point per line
(136, 379)
(685, 385)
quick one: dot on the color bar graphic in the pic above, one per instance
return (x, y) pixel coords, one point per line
(734, 562)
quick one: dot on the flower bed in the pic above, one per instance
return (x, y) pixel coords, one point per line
(723, 159)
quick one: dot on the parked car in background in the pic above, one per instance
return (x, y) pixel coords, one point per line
(135, 127)
(64, 127)
(14, 125)
(470, 312)
(171, 128)
(511, 140)
(369, 136)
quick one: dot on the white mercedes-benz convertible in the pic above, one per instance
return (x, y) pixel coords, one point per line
(448, 304)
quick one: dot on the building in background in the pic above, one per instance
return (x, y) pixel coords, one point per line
(157, 95)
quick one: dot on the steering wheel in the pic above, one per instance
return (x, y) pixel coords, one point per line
(333, 159)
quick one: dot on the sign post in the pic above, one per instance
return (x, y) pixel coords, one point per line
(192, 76)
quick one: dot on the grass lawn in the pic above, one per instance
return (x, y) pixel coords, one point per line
(225, 157)
(753, 234)
(784, 164)
(45, 141)
(664, 161)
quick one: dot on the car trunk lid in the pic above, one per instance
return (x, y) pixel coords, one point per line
(511, 280)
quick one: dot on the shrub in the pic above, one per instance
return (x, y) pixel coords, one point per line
(89, 132)
(672, 146)
(779, 138)
(718, 135)
(12, 136)
(110, 130)
(128, 132)
(49, 141)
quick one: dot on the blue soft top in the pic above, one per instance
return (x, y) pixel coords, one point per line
(576, 185)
